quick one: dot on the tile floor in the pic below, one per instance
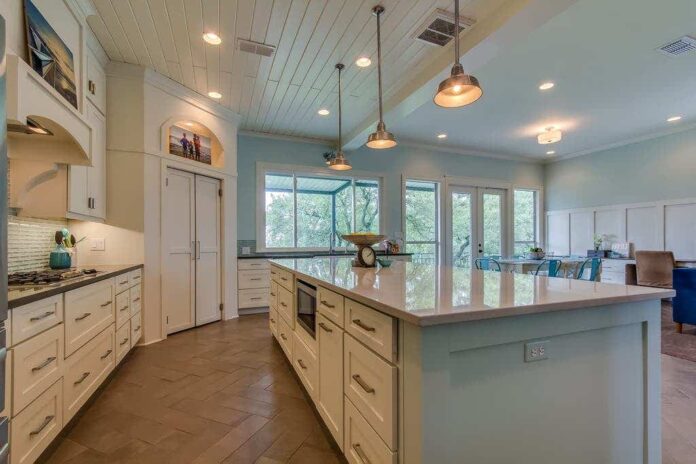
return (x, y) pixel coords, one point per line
(224, 394)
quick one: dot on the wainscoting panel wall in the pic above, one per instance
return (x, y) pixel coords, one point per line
(665, 225)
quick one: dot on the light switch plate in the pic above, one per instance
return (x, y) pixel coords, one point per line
(246, 250)
(97, 244)
(536, 351)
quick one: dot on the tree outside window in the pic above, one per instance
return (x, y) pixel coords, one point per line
(525, 227)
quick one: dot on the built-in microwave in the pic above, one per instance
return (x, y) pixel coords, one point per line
(307, 306)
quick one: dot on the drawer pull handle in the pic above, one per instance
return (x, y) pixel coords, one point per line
(283, 304)
(43, 364)
(125, 340)
(106, 304)
(254, 264)
(273, 273)
(325, 327)
(284, 278)
(363, 385)
(302, 364)
(326, 303)
(43, 316)
(124, 308)
(136, 277)
(123, 283)
(255, 278)
(106, 355)
(43, 425)
(283, 336)
(273, 320)
(136, 329)
(82, 379)
(362, 325)
(84, 316)
(135, 300)
(256, 298)
(272, 294)
(361, 453)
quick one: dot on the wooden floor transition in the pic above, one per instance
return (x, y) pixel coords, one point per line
(224, 394)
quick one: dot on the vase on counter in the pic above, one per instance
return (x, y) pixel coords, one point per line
(59, 258)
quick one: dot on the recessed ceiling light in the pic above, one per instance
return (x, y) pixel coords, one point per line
(550, 152)
(674, 119)
(363, 62)
(323, 112)
(215, 95)
(441, 136)
(546, 86)
(212, 38)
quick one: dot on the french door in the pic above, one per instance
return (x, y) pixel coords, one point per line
(476, 224)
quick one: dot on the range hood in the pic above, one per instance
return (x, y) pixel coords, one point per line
(41, 124)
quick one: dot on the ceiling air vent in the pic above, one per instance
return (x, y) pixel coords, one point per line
(438, 28)
(255, 48)
(679, 47)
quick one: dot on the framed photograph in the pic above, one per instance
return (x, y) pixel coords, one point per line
(189, 143)
(48, 54)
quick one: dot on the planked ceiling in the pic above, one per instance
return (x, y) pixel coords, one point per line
(281, 94)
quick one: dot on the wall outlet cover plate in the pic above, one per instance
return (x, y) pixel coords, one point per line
(536, 351)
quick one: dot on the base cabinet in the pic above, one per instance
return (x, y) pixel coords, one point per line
(330, 397)
(34, 428)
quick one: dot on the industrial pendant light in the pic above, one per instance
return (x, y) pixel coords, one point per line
(339, 162)
(381, 138)
(459, 89)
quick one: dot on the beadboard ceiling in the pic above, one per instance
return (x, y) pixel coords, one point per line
(281, 94)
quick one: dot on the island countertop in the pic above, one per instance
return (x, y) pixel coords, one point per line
(429, 294)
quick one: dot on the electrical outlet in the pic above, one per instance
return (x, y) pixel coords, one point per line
(97, 244)
(246, 250)
(536, 351)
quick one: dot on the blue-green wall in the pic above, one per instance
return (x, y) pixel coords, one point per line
(391, 163)
(663, 168)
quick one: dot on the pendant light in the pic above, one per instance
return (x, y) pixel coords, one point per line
(381, 138)
(460, 89)
(339, 162)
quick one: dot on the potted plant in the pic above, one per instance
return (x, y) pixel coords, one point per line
(535, 253)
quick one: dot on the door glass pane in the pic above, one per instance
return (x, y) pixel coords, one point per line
(461, 229)
(421, 219)
(525, 221)
(279, 211)
(366, 206)
(422, 252)
(492, 224)
(314, 212)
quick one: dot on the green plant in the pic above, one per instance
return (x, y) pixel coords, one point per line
(536, 250)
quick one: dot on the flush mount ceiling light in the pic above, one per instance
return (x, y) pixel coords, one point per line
(674, 119)
(212, 38)
(215, 95)
(546, 86)
(460, 89)
(363, 62)
(441, 136)
(381, 138)
(550, 135)
(339, 162)
(323, 112)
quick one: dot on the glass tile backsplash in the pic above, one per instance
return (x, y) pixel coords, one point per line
(29, 242)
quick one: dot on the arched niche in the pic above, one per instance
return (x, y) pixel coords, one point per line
(208, 150)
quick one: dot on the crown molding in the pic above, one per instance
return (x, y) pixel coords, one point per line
(287, 138)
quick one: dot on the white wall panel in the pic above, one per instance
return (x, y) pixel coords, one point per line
(680, 230)
(642, 227)
(558, 233)
(612, 223)
(581, 232)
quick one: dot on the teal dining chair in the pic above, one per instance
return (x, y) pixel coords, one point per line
(548, 267)
(592, 265)
(487, 264)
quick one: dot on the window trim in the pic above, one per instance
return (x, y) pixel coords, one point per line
(540, 213)
(440, 182)
(298, 170)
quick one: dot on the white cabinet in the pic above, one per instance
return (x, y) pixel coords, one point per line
(330, 401)
(96, 82)
(87, 184)
(254, 282)
(88, 311)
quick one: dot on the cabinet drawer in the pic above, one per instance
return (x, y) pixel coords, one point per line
(121, 283)
(330, 304)
(123, 341)
(370, 383)
(7, 412)
(36, 427)
(285, 337)
(273, 298)
(283, 277)
(305, 364)
(253, 264)
(123, 309)
(615, 265)
(254, 279)
(86, 370)
(38, 365)
(135, 299)
(330, 398)
(88, 311)
(134, 277)
(253, 298)
(362, 444)
(273, 321)
(613, 277)
(36, 317)
(136, 329)
(374, 329)
(286, 306)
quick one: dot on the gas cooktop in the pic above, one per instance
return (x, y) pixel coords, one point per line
(46, 277)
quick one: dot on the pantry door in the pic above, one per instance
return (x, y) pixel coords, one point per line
(208, 272)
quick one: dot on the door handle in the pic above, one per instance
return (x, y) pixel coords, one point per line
(193, 251)
(198, 249)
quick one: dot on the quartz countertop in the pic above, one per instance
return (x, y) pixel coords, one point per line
(312, 254)
(21, 295)
(428, 294)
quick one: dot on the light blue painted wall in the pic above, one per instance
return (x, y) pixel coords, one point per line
(389, 163)
(663, 168)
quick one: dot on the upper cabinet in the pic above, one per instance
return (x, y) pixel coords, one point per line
(96, 82)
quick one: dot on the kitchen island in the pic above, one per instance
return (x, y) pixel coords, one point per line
(420, 363)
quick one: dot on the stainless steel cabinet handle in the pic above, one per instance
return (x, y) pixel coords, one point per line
(363, 385)
(136, 277)
(43, 425)
(256, 278)
(198, 249)
(283, 305)
(254, 264)
(82, 379)
(273, 272)
(43, 364)
(283, 336)
(193, 251)
(273, 320)
(43, 316)
(123, 283)
(84, 316)
(272, 294)
(136, 329)
(362, 325)
(284, 278)
(125, 340)
(361, 453)
(325, 327)
(106, 355)
(135, 300)
(326, 303)
(104, 305)
(124, 308)
(302, 364)
(256, 298)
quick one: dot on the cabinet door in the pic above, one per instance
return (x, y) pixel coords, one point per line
(208, 294)
(96, 82)
(78, 190)
(96, 175)
(330, 403)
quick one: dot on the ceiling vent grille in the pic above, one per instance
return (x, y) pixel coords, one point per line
(255, 48)
(679, 47)
(438, 28)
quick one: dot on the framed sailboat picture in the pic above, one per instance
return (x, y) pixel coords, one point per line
(48, 54)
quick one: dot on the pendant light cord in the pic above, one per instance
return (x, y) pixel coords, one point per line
(340, 143)
(379, 65)
(456, 31)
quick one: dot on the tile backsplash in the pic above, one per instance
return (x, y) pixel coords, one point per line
(29, 242)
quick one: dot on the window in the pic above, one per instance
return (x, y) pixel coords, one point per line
(422, 220)
(303, 210)
(526, 222)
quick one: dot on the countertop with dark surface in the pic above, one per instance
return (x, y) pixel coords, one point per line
(21, 295)
(310, 254)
